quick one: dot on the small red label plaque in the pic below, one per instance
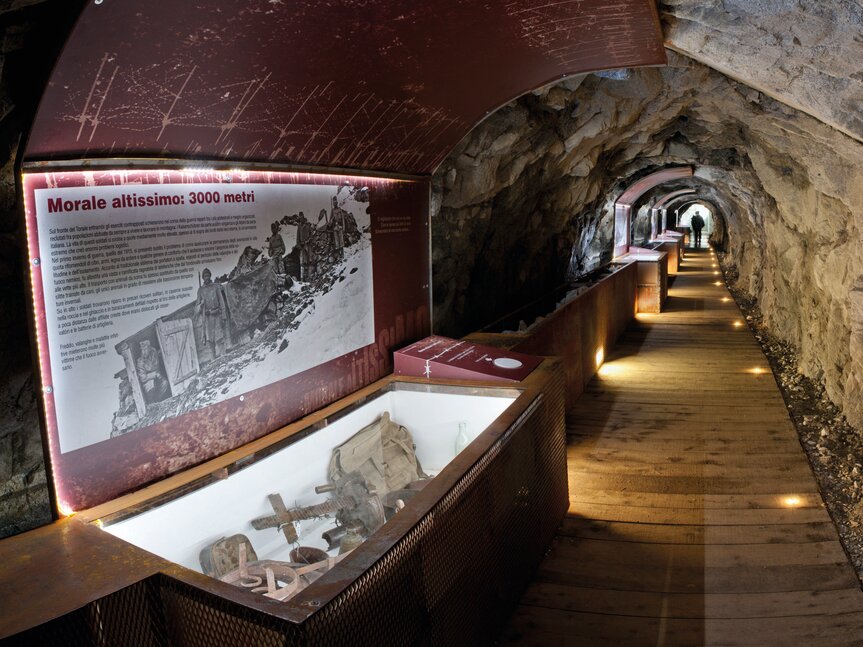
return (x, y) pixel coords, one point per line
(436, 357)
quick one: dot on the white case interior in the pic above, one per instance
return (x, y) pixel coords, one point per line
(179, 529)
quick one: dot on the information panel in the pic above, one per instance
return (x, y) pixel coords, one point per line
(174, 307)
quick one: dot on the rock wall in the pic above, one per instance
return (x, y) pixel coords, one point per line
(31, 33)
(537, 180)
(805, 53)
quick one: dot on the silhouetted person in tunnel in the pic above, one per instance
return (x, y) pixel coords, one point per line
(697, 223)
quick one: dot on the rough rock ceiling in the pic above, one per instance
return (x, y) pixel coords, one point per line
(805, 53)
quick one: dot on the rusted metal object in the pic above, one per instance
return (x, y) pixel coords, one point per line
(278, 580)
(354, 504)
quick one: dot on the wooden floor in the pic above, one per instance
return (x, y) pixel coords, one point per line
(694, 517)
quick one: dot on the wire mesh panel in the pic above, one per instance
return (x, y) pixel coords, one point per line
(195, 618)
(384, 606)
(453, 578)
(128, 617)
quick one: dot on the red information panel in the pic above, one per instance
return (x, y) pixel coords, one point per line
(182, 314)
(437, 356)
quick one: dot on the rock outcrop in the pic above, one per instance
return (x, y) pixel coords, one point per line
(805, 53)
(529, 193)
(31, 34)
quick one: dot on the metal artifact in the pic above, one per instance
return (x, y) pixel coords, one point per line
(221, 556)
(276, 579)
(308, 555)
(397, 499)
(353, 538)
(334, 536)
(354, 503)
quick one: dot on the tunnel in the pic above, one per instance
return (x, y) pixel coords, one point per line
(712, 425)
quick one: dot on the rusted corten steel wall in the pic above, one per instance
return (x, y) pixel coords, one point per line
(576, 331)
(382, 85)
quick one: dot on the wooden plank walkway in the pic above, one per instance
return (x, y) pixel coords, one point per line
(694, 517)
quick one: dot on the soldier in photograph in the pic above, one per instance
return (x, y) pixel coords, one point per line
(305, 242)
(338, 236)
(213, 307)
(276, 248)
(148, 366)
(126, 414)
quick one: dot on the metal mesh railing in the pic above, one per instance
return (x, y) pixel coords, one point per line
(454, 578)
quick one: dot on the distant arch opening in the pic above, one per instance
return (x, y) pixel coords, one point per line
(685, 219)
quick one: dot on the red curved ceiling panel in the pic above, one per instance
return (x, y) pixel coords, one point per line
(638, 188)
(623, 205)
(669, 197)
(380, 85)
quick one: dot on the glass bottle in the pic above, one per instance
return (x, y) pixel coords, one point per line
(461, 439)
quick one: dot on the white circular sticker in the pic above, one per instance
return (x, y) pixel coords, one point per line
(507, 362)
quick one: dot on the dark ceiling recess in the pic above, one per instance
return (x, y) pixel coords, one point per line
(388, 86)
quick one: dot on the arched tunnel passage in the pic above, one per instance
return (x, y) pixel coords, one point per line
(713, 223)
(658, 212)
(750, 173)
(524, 201)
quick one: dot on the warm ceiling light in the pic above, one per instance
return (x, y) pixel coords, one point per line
(791, 501)
(726, 299)
(716, 273)
(718, 283)
(737, 324)
(757, 371)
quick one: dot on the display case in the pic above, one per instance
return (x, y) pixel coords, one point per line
(343, 469)
(652, 277)
(681, 243)
(446, 567)
(672, 245)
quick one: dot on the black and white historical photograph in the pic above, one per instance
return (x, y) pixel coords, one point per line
(188, 310)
